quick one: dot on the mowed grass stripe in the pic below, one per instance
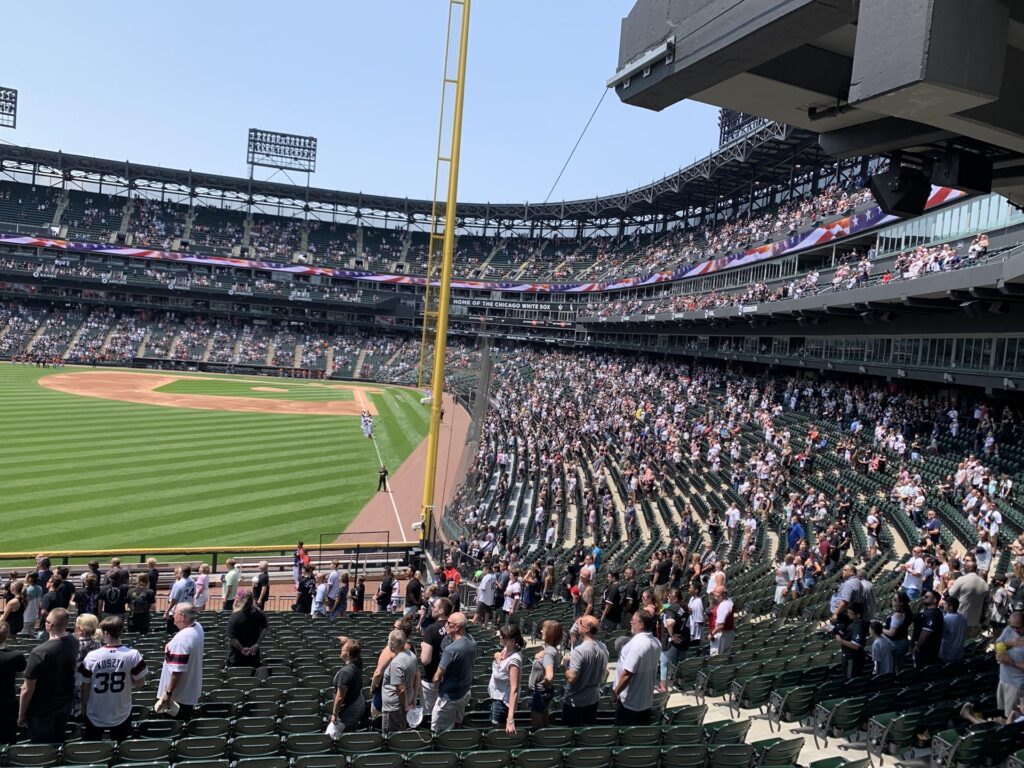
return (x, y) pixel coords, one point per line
(289, 453)
(212, 441)
(97, 473)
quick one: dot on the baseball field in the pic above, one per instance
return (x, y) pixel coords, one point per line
(106, 459)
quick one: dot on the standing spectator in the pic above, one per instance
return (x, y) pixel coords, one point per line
(675, 635)
(435, 638)
(971, 590)
(485, 595)
(721, 623)
(114, 596)
(87, 599)
(611, 604)
(333, 582)
(506, 671)
(141, 600)
(320, 600)
(108, 676)
(182, 591)
(245, 631)
(635, 673)
(47, 603)
(400, 684)
(12, 663)
(359, 595)
(349, 705)
(513, 595)
(913, 577)
(181, 678)
(413, 592)
(852, 637)
(384, 590)
(927, 638)
(586, 668)
(229, 585)
(696, 609)
(453, 677)
(33, 593)
(299, 560)
(341, 604)
(261, 586)
(154, 575)
(47, 693)
(882, 651)
(14, 609)
(202, 587)
(87, 633)
(306, 594)
(1010, 655)
(954, 631)
(542, 673)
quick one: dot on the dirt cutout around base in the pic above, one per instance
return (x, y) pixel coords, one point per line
(129, 387)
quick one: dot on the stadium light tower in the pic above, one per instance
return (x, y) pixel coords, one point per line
(8, 108)
(442, 240)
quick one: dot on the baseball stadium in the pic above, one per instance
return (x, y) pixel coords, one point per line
(721, 470)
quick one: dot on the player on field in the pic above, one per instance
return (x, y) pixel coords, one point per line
(109, 674)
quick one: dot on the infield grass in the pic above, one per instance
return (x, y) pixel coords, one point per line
(85, 473)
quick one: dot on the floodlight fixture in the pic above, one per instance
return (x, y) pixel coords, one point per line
(284, 151)
(8, 107)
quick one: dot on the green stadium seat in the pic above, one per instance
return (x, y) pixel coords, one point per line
(684, 756)
(587, 757)
(34, 755)
(538, 758)
(88, 752)
(636, 757)
(378, 760)
(144, 750)
(432, 760)
(201, 748)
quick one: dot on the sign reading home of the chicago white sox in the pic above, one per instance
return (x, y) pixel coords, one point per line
(499, 304)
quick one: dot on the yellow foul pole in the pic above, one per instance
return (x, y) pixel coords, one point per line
(440, 344)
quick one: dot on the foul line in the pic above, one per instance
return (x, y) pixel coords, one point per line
(391, 496)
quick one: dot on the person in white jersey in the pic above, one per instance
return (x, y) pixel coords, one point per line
(181, 679)
(109, 674)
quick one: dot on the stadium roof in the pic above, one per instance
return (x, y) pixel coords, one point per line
(766, 155)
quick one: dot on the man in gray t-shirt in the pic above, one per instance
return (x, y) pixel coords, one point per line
(399, 685)
(453, 677)
(586, 669)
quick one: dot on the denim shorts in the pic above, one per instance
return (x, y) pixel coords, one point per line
(540, 698)
(499, 712)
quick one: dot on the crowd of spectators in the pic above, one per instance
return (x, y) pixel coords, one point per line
(157, 223)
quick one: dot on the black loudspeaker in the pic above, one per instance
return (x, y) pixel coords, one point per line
(963, 170)
(901, 191)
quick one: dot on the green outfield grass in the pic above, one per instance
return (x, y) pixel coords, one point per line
(85, 473)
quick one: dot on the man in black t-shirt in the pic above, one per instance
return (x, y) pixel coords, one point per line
(141, 600)
(413, 592)
(47, 603)
(12, 662)
(927, 637)
(67, 587)
(630, 596)
(387, 586)
(261, 587)
(675, 634)
(114, 596)
(435, 639)
(244, 631)
(853, 638)
(49, 683)
(611, 604)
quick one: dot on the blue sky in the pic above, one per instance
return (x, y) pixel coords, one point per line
(180, 83)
